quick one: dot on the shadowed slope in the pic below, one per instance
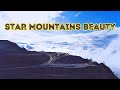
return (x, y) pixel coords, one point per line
(18, 63)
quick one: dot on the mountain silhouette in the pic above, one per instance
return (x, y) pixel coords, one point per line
(18, 63)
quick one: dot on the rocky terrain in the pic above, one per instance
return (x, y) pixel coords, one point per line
(18, 63)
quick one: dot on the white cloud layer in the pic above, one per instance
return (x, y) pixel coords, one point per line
(85, 45)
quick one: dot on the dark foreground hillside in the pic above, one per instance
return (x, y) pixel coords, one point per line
(18, 63)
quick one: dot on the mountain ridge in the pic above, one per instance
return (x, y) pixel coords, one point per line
(47, 65)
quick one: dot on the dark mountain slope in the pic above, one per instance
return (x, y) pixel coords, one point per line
(18, 63)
